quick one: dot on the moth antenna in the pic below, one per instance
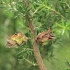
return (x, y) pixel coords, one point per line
(49, 30)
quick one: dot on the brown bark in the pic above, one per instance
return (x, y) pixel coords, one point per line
(35, 45)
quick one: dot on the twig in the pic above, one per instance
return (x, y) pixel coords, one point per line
(34, 64)
(35, 45)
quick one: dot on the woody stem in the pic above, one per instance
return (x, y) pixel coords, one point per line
(35, 45)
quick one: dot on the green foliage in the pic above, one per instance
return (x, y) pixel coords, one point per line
(45, 14)
(62, 28)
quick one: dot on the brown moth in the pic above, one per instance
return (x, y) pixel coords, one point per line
(44, 36)
(17, 39)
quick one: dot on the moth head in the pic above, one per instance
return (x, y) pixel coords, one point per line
(11, 43)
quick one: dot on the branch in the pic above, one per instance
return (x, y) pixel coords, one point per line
(35, 46)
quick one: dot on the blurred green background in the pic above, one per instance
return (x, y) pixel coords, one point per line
(8, 57)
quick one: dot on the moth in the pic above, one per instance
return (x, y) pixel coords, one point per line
(45, 36)
(16, 39)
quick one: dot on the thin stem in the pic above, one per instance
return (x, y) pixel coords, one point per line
(43, 5)
(35, 45)
(34, 64)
